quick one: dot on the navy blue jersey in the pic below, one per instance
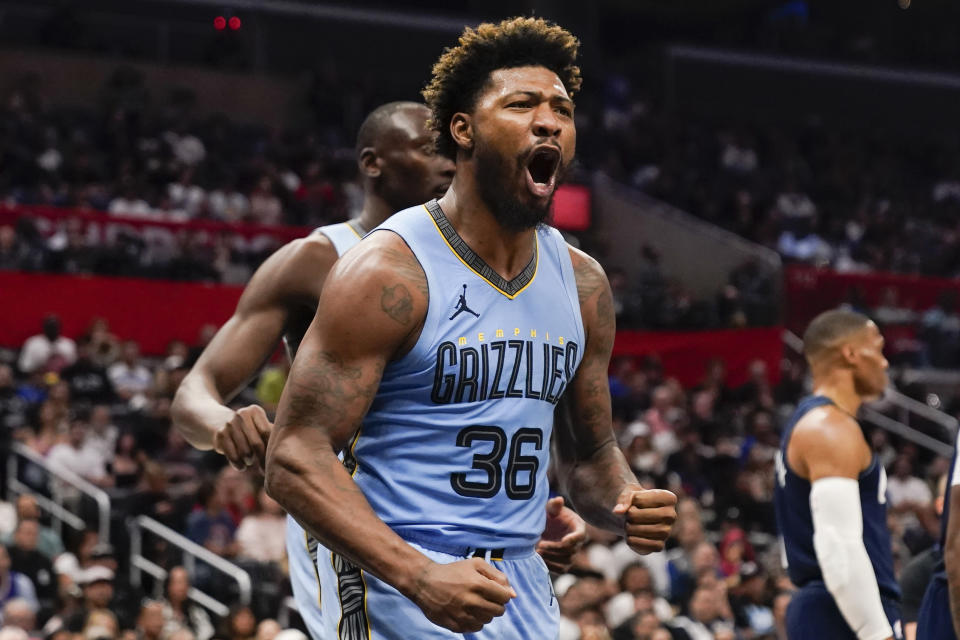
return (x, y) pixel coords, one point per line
(795, 520)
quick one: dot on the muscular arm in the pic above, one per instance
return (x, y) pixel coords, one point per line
(371, 310)
(596, 470)
(951, 555)
(291, 277)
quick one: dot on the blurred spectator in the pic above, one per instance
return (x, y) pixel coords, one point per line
(179, 612)
(48, 542)
(241, 624)
(88, 380)
(749, 601)
(704, 616)
(47, 351)
(150, 622)
(26, 559)
(130, 378)
(260, 536)
(104, 346)
(97, 585)
(80, 457)
(13, 584)
(210, 525)
(13, 408)
(19, 613)
(268, 629)
(103, 433)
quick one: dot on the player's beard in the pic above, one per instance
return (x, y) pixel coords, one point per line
(495, 177)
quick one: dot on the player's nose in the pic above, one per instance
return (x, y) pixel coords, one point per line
(546, 124)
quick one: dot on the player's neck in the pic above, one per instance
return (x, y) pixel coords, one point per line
(375, 210)
(840, 389)
(507, 252)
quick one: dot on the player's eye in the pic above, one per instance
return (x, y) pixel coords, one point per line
(565, 111)
(519, 104)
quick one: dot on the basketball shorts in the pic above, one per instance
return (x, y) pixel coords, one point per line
(302, 555)
(361, 607)
(934, 621)
(813, 615)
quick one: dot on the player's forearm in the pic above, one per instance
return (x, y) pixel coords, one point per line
(318, 491)
(198, 411)
(595, 482)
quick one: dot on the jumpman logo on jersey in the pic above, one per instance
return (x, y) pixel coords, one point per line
(462, 305)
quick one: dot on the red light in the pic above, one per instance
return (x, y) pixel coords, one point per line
(219, 23)
(235, 23)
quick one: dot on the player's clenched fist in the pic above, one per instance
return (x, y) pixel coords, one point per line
(243, 439)
(462, 596)
(648, 517)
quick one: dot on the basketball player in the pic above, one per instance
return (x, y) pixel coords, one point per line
(399, 167)
(441, 346)
(830, 494)
(939, 617)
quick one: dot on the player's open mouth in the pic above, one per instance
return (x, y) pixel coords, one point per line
(542, 169)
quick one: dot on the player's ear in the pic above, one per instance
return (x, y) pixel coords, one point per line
(369, 162)
(461, 128)
(849, 353)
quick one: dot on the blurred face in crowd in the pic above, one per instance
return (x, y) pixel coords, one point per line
(6, 376)
(4, 562)
(635, 579)
(704, 558)
(131, 351)
(243, 623)
(522, 139)
(27, 508)
(51, 327)
(150, 622)
(703, 605)
(99, 593)
(646, 623)
(26, 535)
(18, 613)
(100, 417)
(179, 585)
(78, 433)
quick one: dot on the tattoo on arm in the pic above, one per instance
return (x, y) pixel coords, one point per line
(407, 268)
(325, 388)
(397, 303)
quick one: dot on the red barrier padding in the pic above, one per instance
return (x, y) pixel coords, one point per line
(809, 291)
(152, 312)
(685, 354)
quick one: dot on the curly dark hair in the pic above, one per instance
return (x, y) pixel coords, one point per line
(462, 71)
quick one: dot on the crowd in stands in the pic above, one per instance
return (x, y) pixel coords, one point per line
(92, 405)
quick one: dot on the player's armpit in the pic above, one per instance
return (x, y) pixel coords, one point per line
(372, 305)
(292, 276)
(828, 443)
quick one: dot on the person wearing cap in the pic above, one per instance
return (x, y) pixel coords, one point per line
(97, 585)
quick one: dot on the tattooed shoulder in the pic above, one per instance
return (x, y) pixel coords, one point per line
(406, 267)
(589, 275)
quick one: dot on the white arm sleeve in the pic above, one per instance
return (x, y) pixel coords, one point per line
(844, 563)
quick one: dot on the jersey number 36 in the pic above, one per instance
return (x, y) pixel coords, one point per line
(489, 462)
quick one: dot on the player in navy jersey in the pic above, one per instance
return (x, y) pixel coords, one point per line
(399, 167)
(939, 617)
(442, 345)
(830, 492)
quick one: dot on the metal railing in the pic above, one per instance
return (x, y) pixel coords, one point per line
(55, 505)
(192, 552)
(906, 407)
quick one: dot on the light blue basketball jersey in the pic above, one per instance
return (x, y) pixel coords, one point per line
(303, 549)
(343, 235)
(453, 452)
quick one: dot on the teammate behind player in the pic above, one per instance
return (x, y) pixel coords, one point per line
(939, 617)
(440, 348)
(830, 494)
